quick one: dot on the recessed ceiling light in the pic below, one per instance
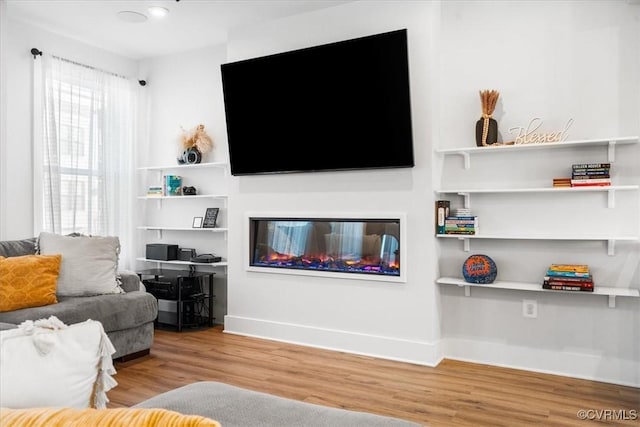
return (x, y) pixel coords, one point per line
(158, 11)
(131, 16)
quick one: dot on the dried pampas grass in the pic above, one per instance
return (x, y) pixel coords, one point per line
(197, 138)
(489, 99)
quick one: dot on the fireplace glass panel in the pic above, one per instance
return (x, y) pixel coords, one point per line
(359, 246)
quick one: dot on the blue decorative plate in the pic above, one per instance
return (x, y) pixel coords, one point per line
(479, 269)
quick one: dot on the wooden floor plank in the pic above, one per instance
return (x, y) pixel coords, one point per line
(453, 394)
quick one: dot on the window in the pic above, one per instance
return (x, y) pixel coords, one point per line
(86, 157)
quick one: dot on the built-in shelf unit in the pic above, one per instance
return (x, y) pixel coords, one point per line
(609, 191)
(161, 230)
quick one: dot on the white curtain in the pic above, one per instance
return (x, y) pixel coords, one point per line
(86, 151)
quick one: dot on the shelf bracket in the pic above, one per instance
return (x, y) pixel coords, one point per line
(611, 155)
(611, 247)
(467, 160)
(467, 290)
(467, 200)
(159, 234)
(465, 242)
(611, 199)
(612, 301)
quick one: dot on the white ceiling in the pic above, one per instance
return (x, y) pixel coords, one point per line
(191, 24)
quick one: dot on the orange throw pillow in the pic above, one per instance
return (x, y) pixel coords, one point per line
(117, 417)
(28, 281)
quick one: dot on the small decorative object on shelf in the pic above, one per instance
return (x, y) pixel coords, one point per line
(197, 222)
(210, 218)
(189, 191)
(195, 143)
(530, 134)
(487, 127)
(172, 185)
(479, 269)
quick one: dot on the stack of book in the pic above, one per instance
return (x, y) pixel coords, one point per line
(155, 191)
(591, 174)
(562, 182)
(467, 224)
(568, 277)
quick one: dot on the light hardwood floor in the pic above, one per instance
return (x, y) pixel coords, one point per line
(452, 394)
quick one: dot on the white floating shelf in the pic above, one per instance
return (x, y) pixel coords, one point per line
(611, 241)
(160, 230)
(611, 191)
(198, 196)
(612, 293)
(192, 166)
(176, 262)
(534, 237)
(211, 230)
(539, 190)
(608, 142)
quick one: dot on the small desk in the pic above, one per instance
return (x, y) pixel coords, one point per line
(175, 293)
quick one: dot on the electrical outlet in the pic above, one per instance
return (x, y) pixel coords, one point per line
(530, 308)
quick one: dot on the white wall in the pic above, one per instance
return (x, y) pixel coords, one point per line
(392, 320)
(553, 60)
(17, 214)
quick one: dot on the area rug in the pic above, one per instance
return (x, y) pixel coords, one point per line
(237, 407)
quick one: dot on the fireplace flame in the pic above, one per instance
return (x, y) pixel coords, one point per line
(369, 264)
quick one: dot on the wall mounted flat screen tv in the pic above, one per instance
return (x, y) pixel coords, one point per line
(338, 106)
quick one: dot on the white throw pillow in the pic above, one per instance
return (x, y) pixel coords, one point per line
(89, 263)
(46, 363)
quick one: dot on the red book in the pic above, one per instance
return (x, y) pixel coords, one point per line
(596, 184)
(587, 285)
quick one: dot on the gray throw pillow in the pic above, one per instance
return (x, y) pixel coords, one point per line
(89, 263)
(18, 247)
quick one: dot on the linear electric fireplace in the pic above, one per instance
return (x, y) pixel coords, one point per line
(358, 248)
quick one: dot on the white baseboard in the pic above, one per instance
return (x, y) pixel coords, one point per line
(595, 367)
(418, 352)
(568, 363)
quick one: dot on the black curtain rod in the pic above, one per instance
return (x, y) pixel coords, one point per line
(37, 52)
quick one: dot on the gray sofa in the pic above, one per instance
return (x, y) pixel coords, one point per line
(127, 318)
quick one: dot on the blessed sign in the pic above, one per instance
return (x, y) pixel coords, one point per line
(530, 134)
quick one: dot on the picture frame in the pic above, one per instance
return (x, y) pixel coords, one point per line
(210, 218)
(197, 222)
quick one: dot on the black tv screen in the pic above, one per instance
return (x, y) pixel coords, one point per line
(338, 106)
